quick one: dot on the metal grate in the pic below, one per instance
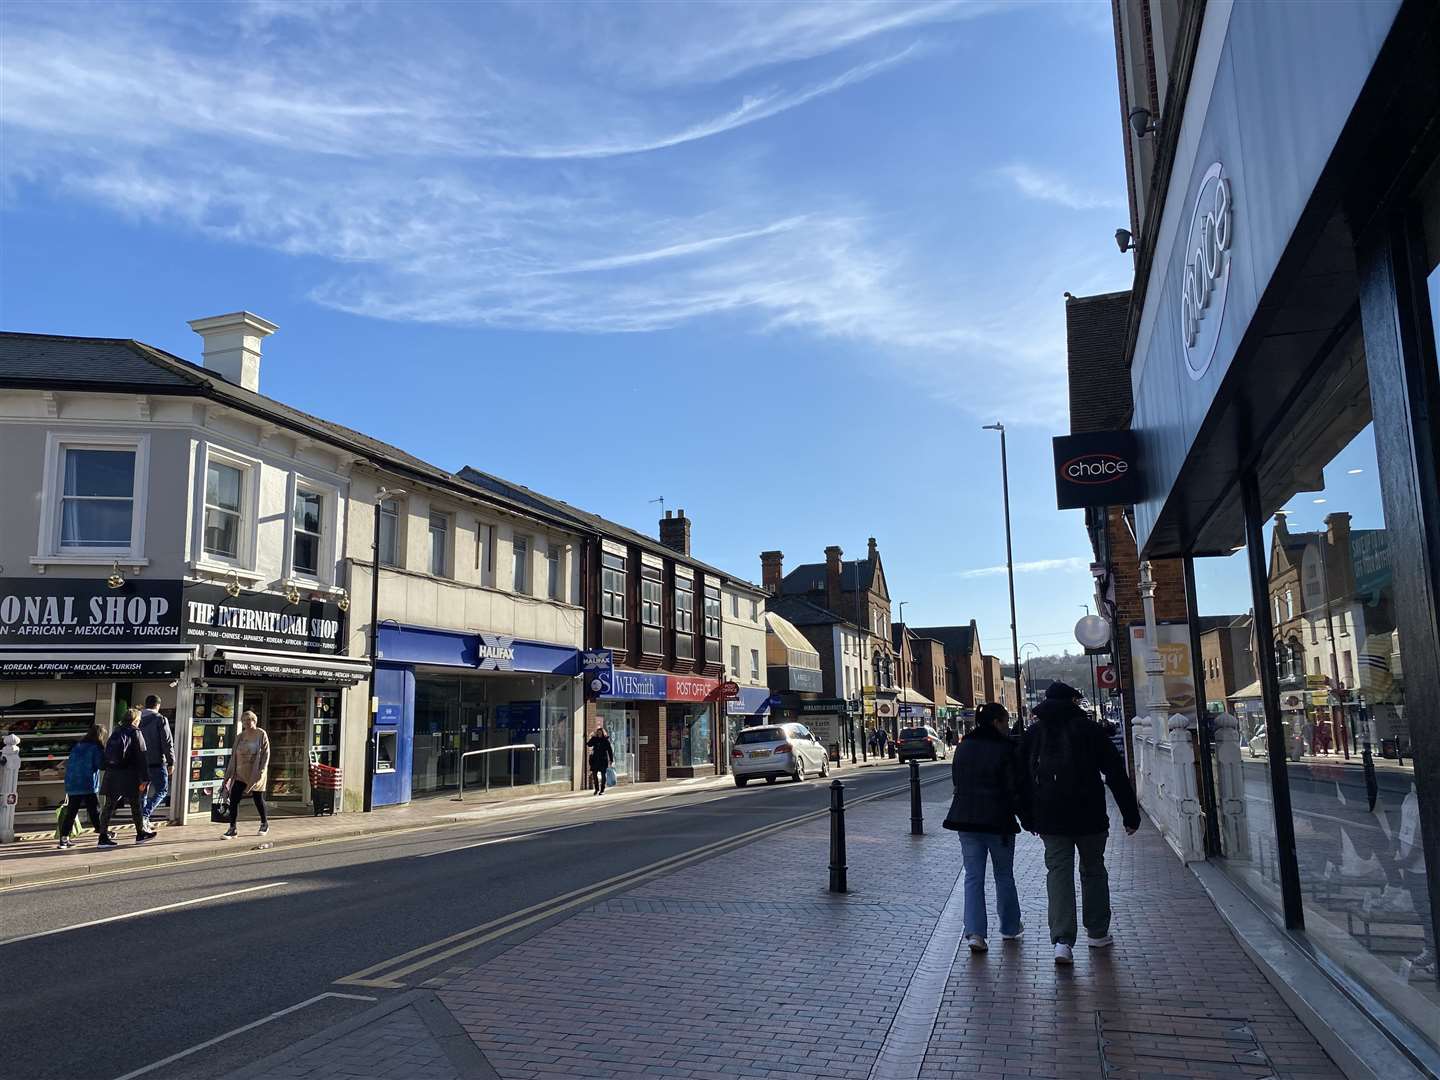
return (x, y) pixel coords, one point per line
(1166, 1046)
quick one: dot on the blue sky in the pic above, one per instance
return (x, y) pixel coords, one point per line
(774, 262)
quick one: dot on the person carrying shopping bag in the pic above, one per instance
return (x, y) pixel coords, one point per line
(82, 783)
(602, 756)
(249, 760)
(983, 811)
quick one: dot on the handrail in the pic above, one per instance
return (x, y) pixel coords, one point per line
(492, 750)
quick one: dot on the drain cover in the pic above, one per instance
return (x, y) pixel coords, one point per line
(1135, 1045)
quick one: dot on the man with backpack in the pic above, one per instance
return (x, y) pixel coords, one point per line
(154, 731)
(1063, 756)
(126, 776)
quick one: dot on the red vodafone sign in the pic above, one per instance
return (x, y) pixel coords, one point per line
(1107, 677)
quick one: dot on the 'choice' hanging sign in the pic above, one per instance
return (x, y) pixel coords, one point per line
(1099, 468)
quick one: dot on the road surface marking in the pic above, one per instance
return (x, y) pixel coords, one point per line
(503, 839)
(241, 1030)
(144, 911)
(384, 975)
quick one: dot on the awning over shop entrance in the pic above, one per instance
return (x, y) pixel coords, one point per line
(288, 667)
(105, 664)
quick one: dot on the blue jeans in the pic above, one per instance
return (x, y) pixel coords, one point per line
(159, 788)
(974, 846)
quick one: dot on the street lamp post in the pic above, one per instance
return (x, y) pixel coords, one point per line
(1029, 671)
(904, 675)
(372, 704)
(1009, 555)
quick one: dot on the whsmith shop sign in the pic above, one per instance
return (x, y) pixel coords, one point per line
(1100, 468)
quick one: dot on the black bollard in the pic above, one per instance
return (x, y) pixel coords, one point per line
(917, 820)
(837, 837)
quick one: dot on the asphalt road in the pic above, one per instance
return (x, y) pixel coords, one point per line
(274, 930)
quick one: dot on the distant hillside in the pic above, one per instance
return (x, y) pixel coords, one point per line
(1070, 668)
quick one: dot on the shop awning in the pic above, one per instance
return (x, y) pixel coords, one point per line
(222, 663)
(1251, 691)
(950, 701)
(108, 664)
(911, 696)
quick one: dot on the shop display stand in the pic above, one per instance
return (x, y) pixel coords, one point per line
(47, 734)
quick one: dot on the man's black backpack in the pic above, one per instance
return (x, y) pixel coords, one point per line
(1056, 763)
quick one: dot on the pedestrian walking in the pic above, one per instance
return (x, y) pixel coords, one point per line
(949, 736)
(1063, 757)
(246, 773)
(159, 755)
(82, 783)
(126, 777)
(987, 797)
(602, 756)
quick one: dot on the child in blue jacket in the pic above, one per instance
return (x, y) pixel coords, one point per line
(82, 782)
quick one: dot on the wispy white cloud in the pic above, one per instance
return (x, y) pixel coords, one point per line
(1043, 186)
(1036, 566)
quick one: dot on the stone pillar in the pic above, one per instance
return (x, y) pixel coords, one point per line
(1230, 788)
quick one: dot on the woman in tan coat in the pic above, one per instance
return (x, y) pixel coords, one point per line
(249, 758)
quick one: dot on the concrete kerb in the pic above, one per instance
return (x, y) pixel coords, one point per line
(59, 867)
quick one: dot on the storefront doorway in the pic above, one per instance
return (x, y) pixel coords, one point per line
(622, 723)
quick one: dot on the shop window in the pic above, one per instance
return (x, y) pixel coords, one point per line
(307, 518)
(520, 547)
(389, 511)
(612, 586)
(688, 733)
(554, 584)
(224, 492)
(439, 543)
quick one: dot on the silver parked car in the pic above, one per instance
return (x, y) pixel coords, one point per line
(777, 750)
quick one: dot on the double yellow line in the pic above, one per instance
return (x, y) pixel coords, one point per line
(389, 974)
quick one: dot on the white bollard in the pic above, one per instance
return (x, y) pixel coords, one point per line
(9, 785)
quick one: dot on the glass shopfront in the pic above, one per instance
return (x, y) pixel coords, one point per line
(622, 722)
(457, 713)
(689, 734)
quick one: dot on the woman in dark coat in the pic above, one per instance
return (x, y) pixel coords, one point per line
(602, 756)
(983, 813)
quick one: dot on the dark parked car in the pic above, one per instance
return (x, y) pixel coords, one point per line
(920, 742)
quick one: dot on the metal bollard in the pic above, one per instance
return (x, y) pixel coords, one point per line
(837, 837)
(917, 820)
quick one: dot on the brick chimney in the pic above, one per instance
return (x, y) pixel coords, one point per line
(232, 346)
(675, 531)
(1339, 561)
(833, 568)
(772, 570)
(874, 550)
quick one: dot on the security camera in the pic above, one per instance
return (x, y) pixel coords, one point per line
(1140, 123)
(1124, 240)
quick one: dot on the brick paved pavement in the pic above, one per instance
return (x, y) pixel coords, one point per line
(743, 966)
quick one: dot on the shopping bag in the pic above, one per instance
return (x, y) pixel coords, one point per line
(610, 776)
(220, 806)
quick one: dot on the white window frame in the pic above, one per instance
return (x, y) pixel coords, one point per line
(47, 547)
(329, 526)
(734, 661)
(735, 606)
(446, 558)
(754, 610)
(398, 535)
(485, 551)
(554, 572)
(754, 665)
(523, 586)
(244, 562)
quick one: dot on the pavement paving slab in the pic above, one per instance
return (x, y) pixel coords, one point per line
(744, 966)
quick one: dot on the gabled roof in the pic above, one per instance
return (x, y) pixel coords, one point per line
(959, 639)
(594, 522)
(801, 612)
(123, 365)
(810, 577)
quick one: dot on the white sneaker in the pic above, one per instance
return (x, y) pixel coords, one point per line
(1016, 936)
(1064, 956)
(976, 943)
(145, 825)
(1100, 942)
(229, 834)
(264, 828)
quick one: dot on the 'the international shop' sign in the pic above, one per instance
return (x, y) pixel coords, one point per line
(1096, 469)
(261, 621)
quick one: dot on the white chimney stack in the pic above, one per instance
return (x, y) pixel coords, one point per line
(232, 346)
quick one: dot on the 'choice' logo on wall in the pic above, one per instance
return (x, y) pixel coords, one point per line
(1099, 468)
(1205, 279)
